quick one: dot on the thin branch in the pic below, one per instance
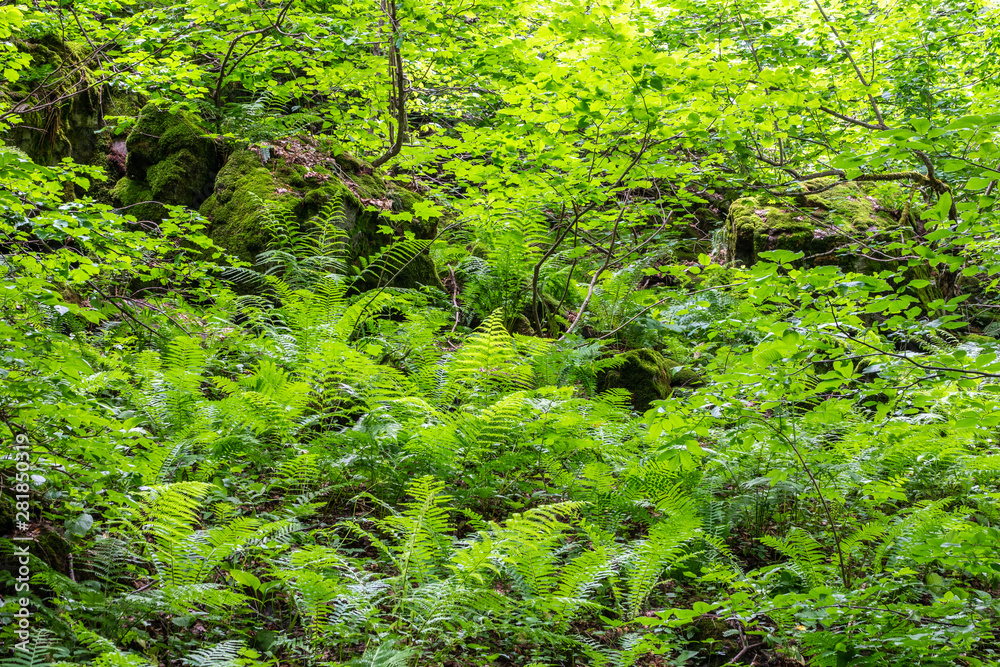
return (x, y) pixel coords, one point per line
(399, 80)
(541, 262)
(857, 70)
(597, 274)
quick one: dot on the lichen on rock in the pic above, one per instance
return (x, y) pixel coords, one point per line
(815, 223)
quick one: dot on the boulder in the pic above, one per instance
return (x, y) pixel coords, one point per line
(168, 160)
(648, 376)
(300, 182)
(67, 129)
(75, 127)
(814, 224)
(818, 223)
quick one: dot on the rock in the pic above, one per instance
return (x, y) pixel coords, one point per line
(74, 128)
(168, 160)
(300, 182)
(234, 207)
(816, 225)
(62, 130)
(136, 199)
(648, 376)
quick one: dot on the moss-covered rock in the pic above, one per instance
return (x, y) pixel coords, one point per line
(341, 186)
(241, 187)
(648, 376)
(137, 199)
(168, 160)
(158, 134)
(815, 224)
(68, 129)
(819, 222)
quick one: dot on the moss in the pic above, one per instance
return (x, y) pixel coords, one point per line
(168, 154)
(234, 207)
(68, 129)
(404, 200)
(755, 227)
(848, 204)
(648, 376)
(158, 134)
(818, 224)
(132, 194)
(370, 185)
(351, 164)
(234, 210)
(169, 178)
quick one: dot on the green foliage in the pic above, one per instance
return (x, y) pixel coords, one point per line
(712, 379)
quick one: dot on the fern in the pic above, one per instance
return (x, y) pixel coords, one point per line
(272, 115)
(807, 556)
(390, 262)
(663, 547)
(35, 653)
(303, 254)
(487, 363)
(383, 655)
(223, 654)
(421, 527)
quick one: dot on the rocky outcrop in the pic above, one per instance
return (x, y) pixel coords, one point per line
(70, 112)
(59, 127)
(300, 181)
(814, 224)
(820, 223)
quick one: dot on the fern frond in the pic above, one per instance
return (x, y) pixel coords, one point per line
(805, 553)
(223, 654)
(662, 548)
(383, 655)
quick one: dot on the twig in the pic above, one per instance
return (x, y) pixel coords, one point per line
(399, 80)
(597, 274)
(857, 70)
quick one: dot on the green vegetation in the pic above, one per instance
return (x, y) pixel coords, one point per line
(542, 334)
